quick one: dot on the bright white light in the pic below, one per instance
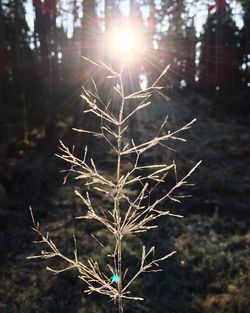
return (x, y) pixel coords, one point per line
(124, 41)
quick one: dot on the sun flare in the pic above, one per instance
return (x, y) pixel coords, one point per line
(124, 41)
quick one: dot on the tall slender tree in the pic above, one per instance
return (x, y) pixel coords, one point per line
(245, 43)
(219, 64)
(173, 42)
(152, 61)
(189, 54)
(2, 63)
(46, 33)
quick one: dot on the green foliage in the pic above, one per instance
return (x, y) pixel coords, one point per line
(214, 253)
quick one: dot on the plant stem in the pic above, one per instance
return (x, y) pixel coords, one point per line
(117, 204)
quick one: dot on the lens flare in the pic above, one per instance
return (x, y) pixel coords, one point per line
(124, 41)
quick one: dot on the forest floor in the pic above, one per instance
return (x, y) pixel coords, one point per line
(211, 272)
(222, 142)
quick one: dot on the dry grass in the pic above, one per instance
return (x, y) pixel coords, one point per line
(128, 215)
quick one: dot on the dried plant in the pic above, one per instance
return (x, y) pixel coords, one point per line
(128, 215)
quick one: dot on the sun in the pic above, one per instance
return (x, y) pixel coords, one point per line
(124, 41)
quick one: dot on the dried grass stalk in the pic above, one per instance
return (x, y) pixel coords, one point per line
(136, 217)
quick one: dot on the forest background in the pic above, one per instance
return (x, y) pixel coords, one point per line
(207, 44)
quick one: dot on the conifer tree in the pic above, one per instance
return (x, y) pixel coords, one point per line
(219, 62)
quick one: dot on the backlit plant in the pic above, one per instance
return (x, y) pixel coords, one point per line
(128, 215)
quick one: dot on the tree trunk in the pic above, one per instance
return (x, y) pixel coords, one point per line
(2, 63)
(43, 26)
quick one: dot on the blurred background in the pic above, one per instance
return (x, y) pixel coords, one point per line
(207, 44)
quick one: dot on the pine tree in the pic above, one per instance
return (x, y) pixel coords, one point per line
(190, 54)
(173, 42)
(46, 34)
(219, 64)
(245, 44)
(15, 62)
